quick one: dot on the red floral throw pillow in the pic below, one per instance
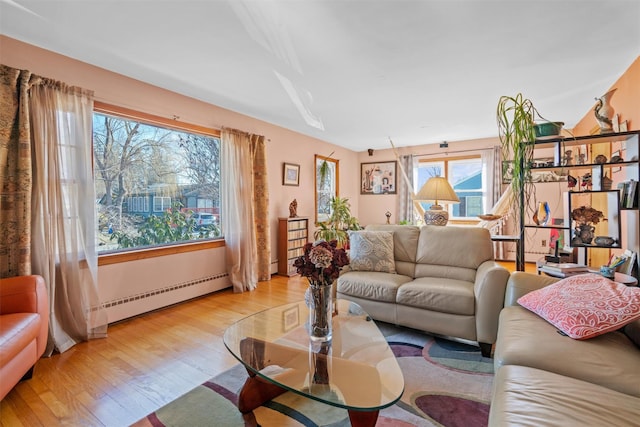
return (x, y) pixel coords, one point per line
(585, 305)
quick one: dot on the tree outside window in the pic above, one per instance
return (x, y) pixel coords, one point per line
(150, 181)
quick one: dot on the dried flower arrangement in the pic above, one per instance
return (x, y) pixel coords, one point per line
(321, 262)
(586, 215)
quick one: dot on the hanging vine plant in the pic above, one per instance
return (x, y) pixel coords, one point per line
(324, 170)
(516, 118)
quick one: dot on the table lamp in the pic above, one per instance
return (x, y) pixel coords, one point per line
(437, 189)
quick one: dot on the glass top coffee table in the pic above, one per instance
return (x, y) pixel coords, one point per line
(356, 370)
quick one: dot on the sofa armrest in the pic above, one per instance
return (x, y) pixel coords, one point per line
(521, 283)
(23, 294)
(489, 290)
(27, 294)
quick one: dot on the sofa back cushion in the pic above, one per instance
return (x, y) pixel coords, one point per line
(452, 252)
(405, 244)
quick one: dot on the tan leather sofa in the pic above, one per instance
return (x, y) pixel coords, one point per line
(544, 378)
(24, 323)
(446, 282)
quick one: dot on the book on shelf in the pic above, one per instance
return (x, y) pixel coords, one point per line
(632, 194)
(564, 267)
(628, 193)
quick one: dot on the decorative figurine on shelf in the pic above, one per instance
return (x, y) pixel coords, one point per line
(582, 158)
(388, 215)
(586, 182)
(293, 209)
(567, 160)
(542, 215)
(616, 159)
(571, 182)
(604, 112)
(601, 159)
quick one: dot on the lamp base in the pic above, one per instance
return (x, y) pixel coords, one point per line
(436, 216)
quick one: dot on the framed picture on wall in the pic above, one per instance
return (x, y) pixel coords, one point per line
(378, 178)
(291, 174)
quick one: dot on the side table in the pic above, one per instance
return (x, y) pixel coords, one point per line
(625, 279)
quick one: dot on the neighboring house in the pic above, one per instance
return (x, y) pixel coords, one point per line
(157, 199)
(469, 191)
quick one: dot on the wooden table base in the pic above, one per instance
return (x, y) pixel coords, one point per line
(257, 391)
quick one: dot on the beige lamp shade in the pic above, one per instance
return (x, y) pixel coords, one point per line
(437, 189)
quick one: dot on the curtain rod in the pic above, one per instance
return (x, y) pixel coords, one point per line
(452, 152)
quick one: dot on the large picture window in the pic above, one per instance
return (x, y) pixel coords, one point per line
(155, 185)
(465, 175)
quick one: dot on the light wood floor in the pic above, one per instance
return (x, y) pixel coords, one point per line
(144, 363)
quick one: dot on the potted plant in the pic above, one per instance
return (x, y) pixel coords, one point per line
(339, 223)
(516, 129)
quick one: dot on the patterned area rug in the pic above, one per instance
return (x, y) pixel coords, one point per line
(446, 384)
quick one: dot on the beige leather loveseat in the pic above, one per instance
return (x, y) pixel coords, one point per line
(445, 282)
(544, 378)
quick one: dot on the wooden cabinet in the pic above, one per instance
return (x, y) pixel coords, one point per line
(293, 234)
(603, 166)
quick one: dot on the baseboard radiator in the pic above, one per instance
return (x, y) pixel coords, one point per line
(153, 299)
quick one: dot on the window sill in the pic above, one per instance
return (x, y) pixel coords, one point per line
(134, 255)
(463, 221)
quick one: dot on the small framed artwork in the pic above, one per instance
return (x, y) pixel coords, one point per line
(378, 178)
(290, 318)
(290, 174)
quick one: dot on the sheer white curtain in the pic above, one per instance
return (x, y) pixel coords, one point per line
(492, 176)
(63, 211)
(245, 216)
(406, 210)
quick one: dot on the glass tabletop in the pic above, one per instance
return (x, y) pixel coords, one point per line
(356, 370)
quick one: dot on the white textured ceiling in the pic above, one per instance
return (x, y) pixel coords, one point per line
(353, 73)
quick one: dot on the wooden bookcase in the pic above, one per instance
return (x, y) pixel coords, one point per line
(293, 234)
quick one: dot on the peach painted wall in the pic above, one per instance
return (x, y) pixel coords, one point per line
(372, 208)
(625, 101)
(121, 280)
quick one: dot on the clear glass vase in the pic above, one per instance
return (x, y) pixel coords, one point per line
(320, 312)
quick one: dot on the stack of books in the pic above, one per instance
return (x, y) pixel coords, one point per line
(628, 194)
(563, 269)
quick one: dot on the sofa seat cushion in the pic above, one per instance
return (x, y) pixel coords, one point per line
(610, 360)
(438, 294)
(530, 397)
(371, 285)
(17, 331)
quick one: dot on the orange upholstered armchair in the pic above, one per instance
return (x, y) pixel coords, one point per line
(24, 324)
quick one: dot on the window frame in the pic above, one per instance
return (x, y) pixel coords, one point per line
(150, 119)
(445, 166)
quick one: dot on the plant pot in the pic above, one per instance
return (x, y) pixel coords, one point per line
(547, 129)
